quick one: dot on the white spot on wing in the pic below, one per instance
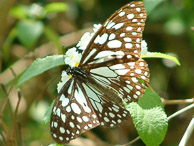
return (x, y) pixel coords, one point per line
(134, 79)
(117, 66)
(85, 118)
(127, 39)
(63, 117)
(122, 72)
(121, 14)
(114, 44)
(62, 130)
(128, 45)
(68, 109)
(122, 34)
(101, 40)
(58, 112)
(118, 26)
(132, 5)
(129, 28)
(131, 63)
(75, 108)
(130, 16)
(106, 119)
(138, 71)
(64, 100)
(110, 25)
(112, 36)
(71, 124)
(138, 9)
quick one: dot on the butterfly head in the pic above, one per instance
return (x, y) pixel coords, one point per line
(75, 71)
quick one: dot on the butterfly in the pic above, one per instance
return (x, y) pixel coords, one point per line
(109, 74)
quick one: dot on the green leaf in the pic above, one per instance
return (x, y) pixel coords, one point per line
(150, 5)
(160, 55)
(56, 7)
(41, 65)
(149, 118)
(29, 31)
(47, 114)
(150, 100)
(18, 12)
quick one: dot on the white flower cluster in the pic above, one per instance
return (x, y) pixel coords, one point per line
(144, 48)
(73, 57)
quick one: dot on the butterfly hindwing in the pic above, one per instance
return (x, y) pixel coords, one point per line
(72, 113)
(108, 112)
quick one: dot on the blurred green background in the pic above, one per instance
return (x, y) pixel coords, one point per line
(32, 29)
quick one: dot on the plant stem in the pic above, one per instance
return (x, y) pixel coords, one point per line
(187, 134)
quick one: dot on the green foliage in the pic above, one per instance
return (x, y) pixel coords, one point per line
(56, 7)
(41, 65)
(150, 5)
(31, 23)
(149, 118)
(162, 56)
(29, 31)
(19, 12)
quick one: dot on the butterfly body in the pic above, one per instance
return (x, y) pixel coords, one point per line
(110, 72)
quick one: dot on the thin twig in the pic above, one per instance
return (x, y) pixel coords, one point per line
(181, 111)
(20, 134)
(6, 101)
(92, 136)
(187, 134)
(185, 101)
(131, 142)
(15, 118)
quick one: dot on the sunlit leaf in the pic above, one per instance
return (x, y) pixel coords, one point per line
(41, 65)
(161, 55)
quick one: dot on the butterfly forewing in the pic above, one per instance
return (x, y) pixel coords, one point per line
(118, 39)
(72, 114)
